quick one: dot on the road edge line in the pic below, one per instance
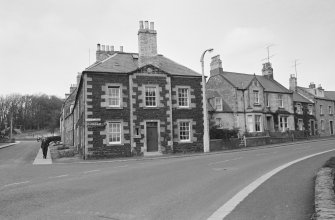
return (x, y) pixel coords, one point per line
(231, 204)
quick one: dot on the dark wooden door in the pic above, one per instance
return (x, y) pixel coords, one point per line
(312, 127)
(152, 137)
(331, 127)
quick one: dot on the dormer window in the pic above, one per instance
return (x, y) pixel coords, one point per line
(218, 104)
(330, 110)
(256, 97)
(299, 108)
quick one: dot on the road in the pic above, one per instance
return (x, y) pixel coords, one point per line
(174, 188)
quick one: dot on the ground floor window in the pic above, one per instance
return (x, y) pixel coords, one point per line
(114, 132)
(184, 131)
(300, 124)
(258, 123)
(283, 123)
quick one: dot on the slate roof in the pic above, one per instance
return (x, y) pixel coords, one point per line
(242, 81)
(330, 94)
(128, 62)
(298, 98)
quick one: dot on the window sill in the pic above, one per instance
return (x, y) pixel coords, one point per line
(149, 107)
(185, 142)
(257, 104)
(183, 107)
(110, 107)
(116, 144)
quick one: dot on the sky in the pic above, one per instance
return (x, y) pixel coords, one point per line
(45, 43)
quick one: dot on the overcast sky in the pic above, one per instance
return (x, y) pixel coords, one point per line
(44, 43)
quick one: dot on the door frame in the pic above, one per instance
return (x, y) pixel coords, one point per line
(145, 135)
(331, 127)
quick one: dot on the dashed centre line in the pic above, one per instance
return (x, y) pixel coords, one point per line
(18, 183)
(91, 171)
(60, 176)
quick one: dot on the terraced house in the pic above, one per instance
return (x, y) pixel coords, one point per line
(137, 103)
(249, 102)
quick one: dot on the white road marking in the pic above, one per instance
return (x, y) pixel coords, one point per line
(91, 171)
(230, 205)
(121, 166)
(60, 176)
(18, 183)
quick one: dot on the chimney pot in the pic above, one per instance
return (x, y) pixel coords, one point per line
(146, 24)
(98, 47)
(103, 47)
(152, 26)
(141, 24)
(121, 48)
(107, 47)
(112, 48)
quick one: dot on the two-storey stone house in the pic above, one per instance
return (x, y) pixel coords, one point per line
(249, 102)
(137, 103)
(323, 106)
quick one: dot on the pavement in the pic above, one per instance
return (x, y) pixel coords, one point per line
(39, 160)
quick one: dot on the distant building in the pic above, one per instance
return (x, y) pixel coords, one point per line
(249, 102)
(137, 103)
(323, 105)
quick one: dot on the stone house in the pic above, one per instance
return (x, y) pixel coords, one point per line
(137, 103)
(249, 102)
(323, 106)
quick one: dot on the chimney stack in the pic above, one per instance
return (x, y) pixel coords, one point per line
(312, 85)
(147, 42)
(78, 79)
(216, 66)
(293, 83)
(267, 70)
(103, 51)
(121, 48)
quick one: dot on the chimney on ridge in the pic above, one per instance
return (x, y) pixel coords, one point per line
(267, 70)
(147, 42)
(293, 83)
(216, 66)
(103, 51)
(312, 85)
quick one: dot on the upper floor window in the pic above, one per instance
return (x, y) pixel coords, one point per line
(114, 96)
(280, 101)
(299, 108)
(310, 109)
(267, 100)
(322, 125)
(256, 97)
(150, 96)
(321, 111)
(218, 104)
(114, 132)
(184, 131)
(183, 97)
(330, 110)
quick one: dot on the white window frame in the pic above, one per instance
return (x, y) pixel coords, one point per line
(321, 111)
(111, 96)
(300, 124)
(267, 100)
(299, 108)
(152, 88)
(114, 133)
(182, 99)
(330, 110)
(250, 122)
(310, 109)
(256, 97)
(258, 122)
(218, 104)
(181, 126)
(283, 123)
(280, 101)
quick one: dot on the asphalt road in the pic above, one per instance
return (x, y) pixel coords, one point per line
(175, 188)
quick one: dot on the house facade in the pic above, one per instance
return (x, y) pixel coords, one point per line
(249, 102)
(323, 106)
(137, 103)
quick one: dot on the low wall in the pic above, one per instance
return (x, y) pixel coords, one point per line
(324, 194)
(220, 144)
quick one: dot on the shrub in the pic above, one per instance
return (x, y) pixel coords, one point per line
(225, 134)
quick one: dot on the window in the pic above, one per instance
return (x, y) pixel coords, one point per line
(184, 131)
(283, 123)
(250, 124)
(114, 96)
(301, 124)
(267, 100)
(321, 111)
(330, 110)
(322, 125)
(257, 123)
(256, 97)
(299, 109)
(183, 99)
(218, 122)
(218, 103)
(150, 96)
(310, 109)
(114, 133)
(280, 101)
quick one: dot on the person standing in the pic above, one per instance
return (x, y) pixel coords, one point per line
(44, 147)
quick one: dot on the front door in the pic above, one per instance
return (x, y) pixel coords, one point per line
(152, 137)
(268, 123)
(331, 127)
